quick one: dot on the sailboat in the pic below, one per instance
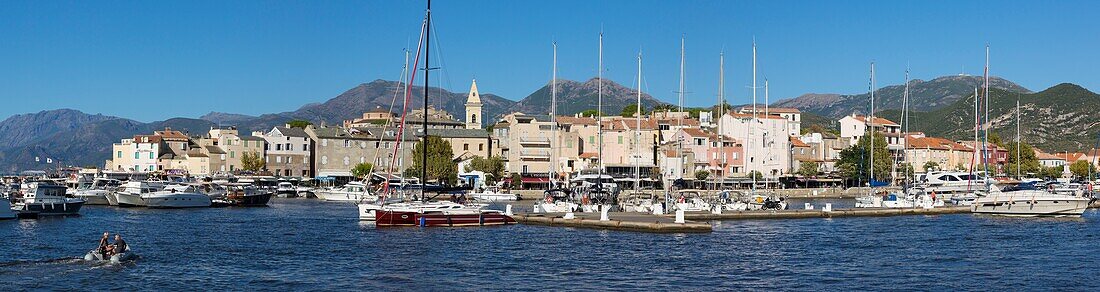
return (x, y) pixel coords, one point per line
(758, 200)
(1026, 202)
(423, 212)
(555, 199)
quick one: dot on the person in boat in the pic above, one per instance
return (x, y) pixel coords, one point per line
(104, 246)
(120, 245)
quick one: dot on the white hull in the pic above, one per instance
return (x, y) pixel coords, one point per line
(93, 197)
(494, 197)
(129, 200)
(176, 200)
(112, 198)
(556, 207)
(368, 211)
(342, 197)
(1030, 204)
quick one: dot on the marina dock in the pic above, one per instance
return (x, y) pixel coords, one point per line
(836, 213)
(616, 221)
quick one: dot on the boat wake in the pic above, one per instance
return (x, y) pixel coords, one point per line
(65, 260)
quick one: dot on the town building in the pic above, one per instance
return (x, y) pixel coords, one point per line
(287, 151)
(792, 115)
(767, 142)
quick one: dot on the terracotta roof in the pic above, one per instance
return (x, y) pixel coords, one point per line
(795, 142)
(1047, 156)
(589, 155)
(576, 120)
(912, 142)
(759, 116)
(695, 132)
(152, 138)
(169, 134)
(1071, 157)
(878, 120)
(771, 110)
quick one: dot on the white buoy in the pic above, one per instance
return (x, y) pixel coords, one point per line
(717, 210)
(603, 214)
(508, 210)
(828, 207)
(679, 216)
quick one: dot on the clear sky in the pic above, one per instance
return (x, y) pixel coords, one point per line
(151, 60)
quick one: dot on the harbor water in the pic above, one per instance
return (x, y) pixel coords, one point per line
(304, 244)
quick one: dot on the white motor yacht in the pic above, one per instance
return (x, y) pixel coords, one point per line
(96, 192)
(5, 209)
(131, 193)
(367, 211)
(731, 201)
(351, 192)
(690, 201)
(556, 201)
(1030, 203)
(46, 198)
(176, 196)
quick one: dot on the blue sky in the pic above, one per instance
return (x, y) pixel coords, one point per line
(151, 60)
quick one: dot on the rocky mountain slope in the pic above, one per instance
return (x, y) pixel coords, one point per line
(923, 95)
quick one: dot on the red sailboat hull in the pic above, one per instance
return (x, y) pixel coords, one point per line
(440, 219)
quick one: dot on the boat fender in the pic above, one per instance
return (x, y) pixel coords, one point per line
(549, 200)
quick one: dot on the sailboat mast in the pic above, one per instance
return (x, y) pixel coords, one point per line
(554, 118)
(599, 115)
(1019, 139)
(424, 150)
(752, 124)
(680, 112)
(637, 131)
(905, 129)
(721, 113)
(985, 127)
(871, 122)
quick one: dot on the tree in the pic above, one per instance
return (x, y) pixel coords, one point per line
(517, 180)
(631, 109)
(808, 168)
(854, 163)
(1029, 163)
(931, 166)
(299, 124)
(995, 139)
(441, 167)
(362, 170)
(756, 174)
(1051, 172)
(702, 174)
(906, 171)
(252, 161)
(1082, 169)
(493, 167)
(960, 167)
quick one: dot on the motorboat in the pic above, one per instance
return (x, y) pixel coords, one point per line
(96, 256)
(442, 218)
(96, 192)
(286, 190)
(494, 194)
(1030, 203)
(731, 201)
(691, 200)
(948, 183)
(176, 196)
(351, 192)
(640, 203)
(130, 195)
(766, 201)
(242, 195)
(556, 201)
(47, 198)
(5, 209)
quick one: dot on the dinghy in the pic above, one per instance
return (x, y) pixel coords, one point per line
(96, 256)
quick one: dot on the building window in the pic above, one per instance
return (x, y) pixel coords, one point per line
(305, 147)
(232, 154)
(347, 160)
(347, 143)
(150, 155)
(620, 139)
(324, 142)
(120, 154)
(278, 159)
(591, 139)
(481, 147)
(465, 146)
(222, 157)
(324, 159)
(278, 147)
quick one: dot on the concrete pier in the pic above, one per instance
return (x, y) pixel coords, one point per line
(615, 221)
(836, 213)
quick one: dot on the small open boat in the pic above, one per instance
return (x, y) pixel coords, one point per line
(442, 218)
(96, 256)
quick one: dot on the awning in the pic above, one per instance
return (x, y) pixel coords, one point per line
(535, 180)
(338, 173)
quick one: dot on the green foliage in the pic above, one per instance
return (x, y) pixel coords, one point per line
(441, 167)
(1051, 172)
(252, 161)
(702, 174)
(1082, 169)
(756, 174)
(906, 171)
(493, 167)
(931, 166)
(960, 167)
(808, 168)
(855, 161)
(298, 124)
(1029, 163)
(517, 180)
(995, 139)
(631, 109)
(589, 113)
(362, 170)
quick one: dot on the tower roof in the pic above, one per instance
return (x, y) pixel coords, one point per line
(473, 97)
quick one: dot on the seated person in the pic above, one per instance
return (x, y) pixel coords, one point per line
(120, 245)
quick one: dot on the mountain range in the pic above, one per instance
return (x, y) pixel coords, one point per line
(72, 137)
(923, 96)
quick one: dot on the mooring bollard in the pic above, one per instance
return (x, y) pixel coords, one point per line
(535, 208)
(828, 207)
(815, 193)
(679, 216)
(508, 210)
(603, 214)
(658, 210)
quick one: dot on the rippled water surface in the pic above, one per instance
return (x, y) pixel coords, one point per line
(312, 245)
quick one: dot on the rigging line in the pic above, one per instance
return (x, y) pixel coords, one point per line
(405, 109)
(444, 76)
(389, 121)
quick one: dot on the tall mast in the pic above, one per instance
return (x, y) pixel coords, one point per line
(424, 151)
(985, 133)
(599, 115)
(752, 124)
(680, 112)
(721, 113)
(637, 131)
(1019, 139)
(871, 122)
(554, 118)
(905, 129)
